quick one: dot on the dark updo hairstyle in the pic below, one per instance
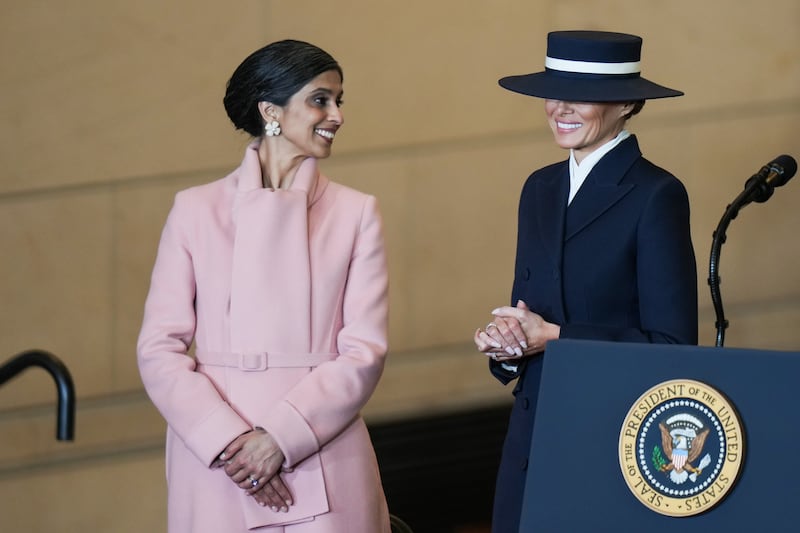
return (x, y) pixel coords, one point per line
(637, 106)
(273, 74)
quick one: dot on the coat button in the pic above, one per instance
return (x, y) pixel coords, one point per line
(527, 274)
(525, 403)
(556, 274)
(524, 465)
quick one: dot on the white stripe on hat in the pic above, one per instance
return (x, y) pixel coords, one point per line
(589, 67)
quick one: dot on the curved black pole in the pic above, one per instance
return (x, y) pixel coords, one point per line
(714, 280)
(758, 188)
(754, 190)
(65, 420)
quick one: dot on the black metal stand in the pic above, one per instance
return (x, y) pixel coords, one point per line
(65, 423)
(754, 190)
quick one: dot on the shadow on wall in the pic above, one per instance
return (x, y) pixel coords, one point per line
(439, 472)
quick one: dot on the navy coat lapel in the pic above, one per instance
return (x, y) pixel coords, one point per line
(552, 192)
(603, 187)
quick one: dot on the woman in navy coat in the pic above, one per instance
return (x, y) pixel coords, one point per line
(604, 250)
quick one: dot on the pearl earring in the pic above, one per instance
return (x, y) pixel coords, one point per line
(272, 128)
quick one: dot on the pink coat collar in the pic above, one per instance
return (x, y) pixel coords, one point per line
(307, 179)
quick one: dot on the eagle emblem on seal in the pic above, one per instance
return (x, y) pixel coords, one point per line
(682, 438)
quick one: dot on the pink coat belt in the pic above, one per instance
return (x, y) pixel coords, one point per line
(260, 361)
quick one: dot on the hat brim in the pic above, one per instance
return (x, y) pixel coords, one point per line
(573, 89)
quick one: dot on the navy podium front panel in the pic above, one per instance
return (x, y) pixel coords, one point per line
(574, 481)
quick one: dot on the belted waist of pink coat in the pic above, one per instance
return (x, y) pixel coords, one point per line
(260, 361)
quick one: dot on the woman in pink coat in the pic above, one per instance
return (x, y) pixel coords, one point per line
(278, 278)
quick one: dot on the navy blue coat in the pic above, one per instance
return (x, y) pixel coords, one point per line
(616, 265)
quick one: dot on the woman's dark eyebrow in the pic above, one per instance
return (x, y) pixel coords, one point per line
(326, 91)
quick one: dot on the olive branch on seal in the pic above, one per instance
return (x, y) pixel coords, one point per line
(658, 459)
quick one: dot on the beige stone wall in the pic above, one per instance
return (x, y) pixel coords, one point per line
(108, 108)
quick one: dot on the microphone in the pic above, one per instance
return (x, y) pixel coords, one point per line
(758, 188)
(774, 174)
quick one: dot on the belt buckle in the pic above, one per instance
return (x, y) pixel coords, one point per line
(253, 362)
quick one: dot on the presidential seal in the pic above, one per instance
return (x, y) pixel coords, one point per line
(681, 448)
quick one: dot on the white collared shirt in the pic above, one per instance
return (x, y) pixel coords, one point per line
(579, 171)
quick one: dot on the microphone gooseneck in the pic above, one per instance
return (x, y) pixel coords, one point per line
(758, 188)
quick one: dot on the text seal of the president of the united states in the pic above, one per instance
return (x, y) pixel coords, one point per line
(681, 447)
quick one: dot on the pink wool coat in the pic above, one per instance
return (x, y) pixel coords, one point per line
(284, 295)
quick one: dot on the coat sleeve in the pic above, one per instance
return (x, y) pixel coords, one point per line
(666, 276)
(329, 398)
(187, 399)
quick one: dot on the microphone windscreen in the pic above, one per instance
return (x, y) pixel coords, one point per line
(785, 167)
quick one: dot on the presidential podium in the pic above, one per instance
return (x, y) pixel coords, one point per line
(643, 437)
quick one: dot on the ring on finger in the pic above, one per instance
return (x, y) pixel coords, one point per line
(489, 325)
(253, 480)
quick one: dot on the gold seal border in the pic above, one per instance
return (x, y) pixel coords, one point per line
(681, 389)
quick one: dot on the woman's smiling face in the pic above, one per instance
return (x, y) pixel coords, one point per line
(311, 117)
(585, 126)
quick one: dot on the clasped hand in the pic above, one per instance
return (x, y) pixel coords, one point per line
(253, 461)
(515, 332)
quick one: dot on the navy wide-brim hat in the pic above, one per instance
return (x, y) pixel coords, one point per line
(590, 66)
